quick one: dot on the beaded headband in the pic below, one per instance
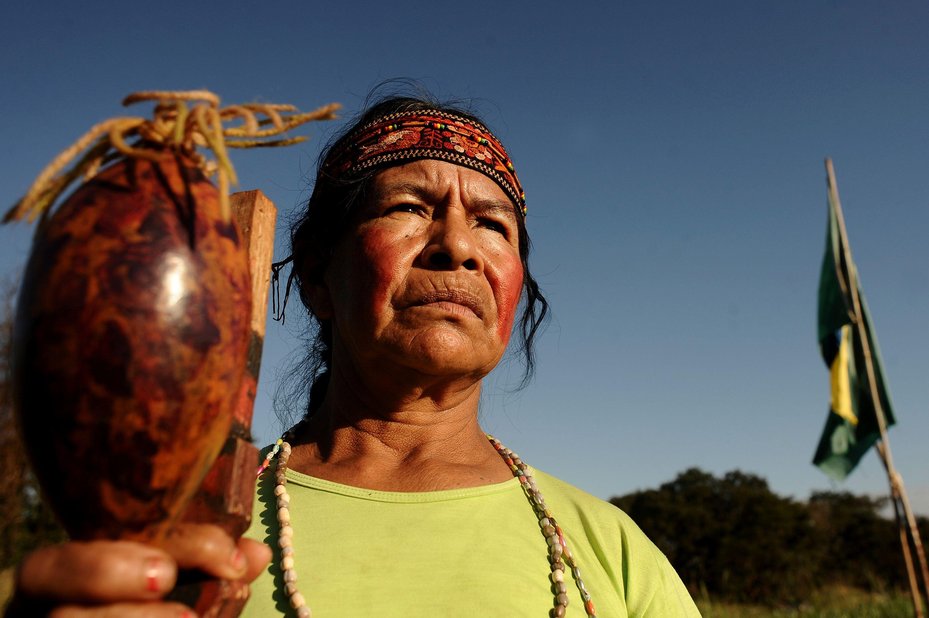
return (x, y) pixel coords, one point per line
(428, 134)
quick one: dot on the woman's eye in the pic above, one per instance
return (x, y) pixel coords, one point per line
(495, 226)
(401, 208)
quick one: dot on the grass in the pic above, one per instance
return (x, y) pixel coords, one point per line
(832, 603)
(835, 602)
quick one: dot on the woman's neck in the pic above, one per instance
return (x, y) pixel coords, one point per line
(417, 442)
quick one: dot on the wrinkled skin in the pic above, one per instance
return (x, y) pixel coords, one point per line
(427, 282)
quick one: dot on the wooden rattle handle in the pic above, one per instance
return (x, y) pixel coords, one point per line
(226, 494)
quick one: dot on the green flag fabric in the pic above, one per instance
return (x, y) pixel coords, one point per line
(851, 426)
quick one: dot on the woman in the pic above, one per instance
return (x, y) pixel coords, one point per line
(388, 498)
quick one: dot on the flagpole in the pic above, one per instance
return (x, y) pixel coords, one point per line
(901, 503)
(901, 530)
(914, 532)
(897, 491)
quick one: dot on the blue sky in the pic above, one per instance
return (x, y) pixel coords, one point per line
(672, 153)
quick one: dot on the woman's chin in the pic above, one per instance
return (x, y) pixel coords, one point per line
(447, 352)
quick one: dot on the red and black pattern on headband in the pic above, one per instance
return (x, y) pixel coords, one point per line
(428, 134)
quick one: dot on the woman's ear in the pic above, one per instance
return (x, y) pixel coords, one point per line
(313, 289)
(316, 296)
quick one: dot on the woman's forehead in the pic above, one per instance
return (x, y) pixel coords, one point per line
(430, 179)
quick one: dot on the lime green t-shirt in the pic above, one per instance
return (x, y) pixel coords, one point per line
(462, 552)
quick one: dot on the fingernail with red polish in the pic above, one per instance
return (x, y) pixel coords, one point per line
(154, 574)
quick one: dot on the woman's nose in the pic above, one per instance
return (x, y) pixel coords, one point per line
(452, 244)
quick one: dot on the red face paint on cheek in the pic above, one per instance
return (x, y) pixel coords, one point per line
(507, 291)
(386, 265)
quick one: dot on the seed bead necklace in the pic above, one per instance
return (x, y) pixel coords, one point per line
(560, 557)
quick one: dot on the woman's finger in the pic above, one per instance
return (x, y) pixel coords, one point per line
(125, 610)
(97, 572)
(206, 548)
(258, 556)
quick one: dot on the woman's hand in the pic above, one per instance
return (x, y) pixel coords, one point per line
(127, 579)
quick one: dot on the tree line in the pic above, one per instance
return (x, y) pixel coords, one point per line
(732, 538)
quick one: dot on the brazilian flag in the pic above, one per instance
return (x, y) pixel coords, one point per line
(852, 426)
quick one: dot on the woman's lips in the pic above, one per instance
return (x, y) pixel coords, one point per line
(457, 302)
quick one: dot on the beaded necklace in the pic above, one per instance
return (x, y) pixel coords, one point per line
(560, 557)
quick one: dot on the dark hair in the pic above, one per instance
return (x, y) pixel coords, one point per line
(326, 218)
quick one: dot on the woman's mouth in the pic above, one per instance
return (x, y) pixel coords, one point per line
(458, 302)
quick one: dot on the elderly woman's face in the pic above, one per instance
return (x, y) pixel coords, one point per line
(429, 278)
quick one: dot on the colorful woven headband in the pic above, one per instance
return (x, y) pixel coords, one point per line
(428, 134)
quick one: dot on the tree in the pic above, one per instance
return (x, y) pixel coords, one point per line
(731, 537)
(860, 547)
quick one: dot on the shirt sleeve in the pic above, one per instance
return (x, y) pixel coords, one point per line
(667, 595)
